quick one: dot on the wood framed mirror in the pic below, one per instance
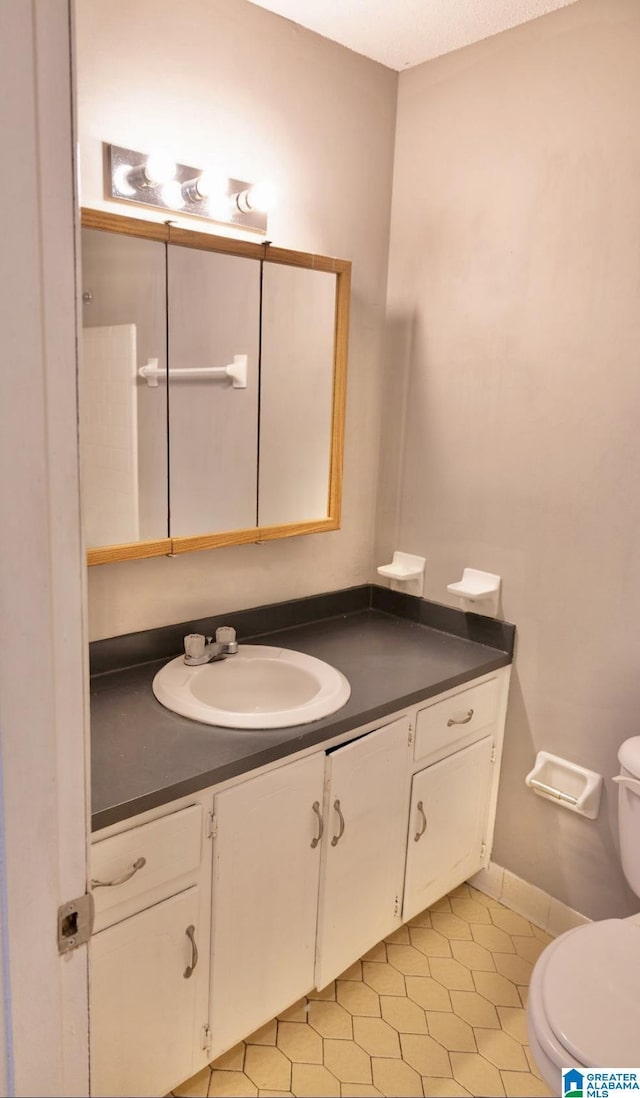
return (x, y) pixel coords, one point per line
(176, 454)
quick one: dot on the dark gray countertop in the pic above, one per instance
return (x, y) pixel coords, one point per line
(143, 755)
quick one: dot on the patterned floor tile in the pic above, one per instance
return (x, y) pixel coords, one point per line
(428, 993)
(268, 1067)
(311, 1081)
(520, 1084)
(408, 960)
(358, 998)
(330, 1019)
(231, 1084)
(436, 1009)
(395, 1079)
(453, 1033)
(376, 1037)
(347, 1061)
(383, 978)
(474, 956)
(450, 973)
(300, 1043)
(452, 926)
(501, 1050)
(477, 1074)
(425, 1055)
(430, 942)
(403, 1014)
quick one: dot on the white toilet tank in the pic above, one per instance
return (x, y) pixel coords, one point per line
(629, 810)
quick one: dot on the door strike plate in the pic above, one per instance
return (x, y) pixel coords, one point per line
(75, 923)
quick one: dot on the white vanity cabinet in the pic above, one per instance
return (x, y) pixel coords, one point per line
(364, 848)
(458, 747)
(447, 824)
(149, 954)
(144, 1008)
(281, 881)
(265, 896)
(308, 870)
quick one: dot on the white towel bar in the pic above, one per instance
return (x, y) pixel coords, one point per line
(236, 370)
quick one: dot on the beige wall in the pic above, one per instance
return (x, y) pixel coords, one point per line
(513, 392)
(509, 434)
(270, 100)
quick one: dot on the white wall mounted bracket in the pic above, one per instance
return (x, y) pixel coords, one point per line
(406, 573)
(572, 786)
(478, 592)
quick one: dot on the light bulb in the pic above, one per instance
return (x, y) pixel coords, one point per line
(257, 198)
(155, 171)
(159, 169)
(210, 184)
(121, 180)
(262, 196)
(171, 194)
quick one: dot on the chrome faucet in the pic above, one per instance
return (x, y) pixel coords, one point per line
(199, 649)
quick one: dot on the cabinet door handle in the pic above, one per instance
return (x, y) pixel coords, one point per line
(316, 808)
(125, 876)
(191, 935)
(418, 835)
(336, 838)
(464, 720)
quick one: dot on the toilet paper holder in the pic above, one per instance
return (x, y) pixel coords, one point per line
(572, 786)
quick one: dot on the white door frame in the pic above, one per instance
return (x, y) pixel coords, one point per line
(43, 672)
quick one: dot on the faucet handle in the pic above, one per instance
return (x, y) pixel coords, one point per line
(226, 635)
(194, 645)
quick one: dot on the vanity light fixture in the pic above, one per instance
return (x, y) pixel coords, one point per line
(155, 180)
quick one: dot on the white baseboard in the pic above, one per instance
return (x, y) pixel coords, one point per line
(527, 900)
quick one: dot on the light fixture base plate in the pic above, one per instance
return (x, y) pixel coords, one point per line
(118, 162)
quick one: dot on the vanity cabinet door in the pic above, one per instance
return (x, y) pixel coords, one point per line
(147, 1013)
(447, 824)
(265, 893)
(364, 847)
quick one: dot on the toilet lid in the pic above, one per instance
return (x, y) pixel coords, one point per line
(591, 993)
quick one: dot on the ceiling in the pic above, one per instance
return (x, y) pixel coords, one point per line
(401, 33)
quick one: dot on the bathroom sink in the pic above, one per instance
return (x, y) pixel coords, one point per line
(258, 687)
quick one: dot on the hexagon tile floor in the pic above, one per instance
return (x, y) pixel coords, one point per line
(434, 1010)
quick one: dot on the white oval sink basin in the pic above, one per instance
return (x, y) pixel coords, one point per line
(259, 687)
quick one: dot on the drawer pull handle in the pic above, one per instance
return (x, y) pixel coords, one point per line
(125, 876)
(336, 838)
(418, 835)
(464, 720)
(191, 935)
(316, 808)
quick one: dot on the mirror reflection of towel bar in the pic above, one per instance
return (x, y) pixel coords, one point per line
(236, 370)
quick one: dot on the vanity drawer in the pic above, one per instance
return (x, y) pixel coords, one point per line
(443, 723)
(144, 863)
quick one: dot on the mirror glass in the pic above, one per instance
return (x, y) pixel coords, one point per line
(298, 337)
(123, 422)
(214, 315)
(177, 454)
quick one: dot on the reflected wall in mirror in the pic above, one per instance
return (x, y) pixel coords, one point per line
(214, 315)
(174, 460)
(298, 310)
(123, 424)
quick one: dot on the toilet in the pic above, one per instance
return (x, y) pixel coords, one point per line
(583, 1009)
